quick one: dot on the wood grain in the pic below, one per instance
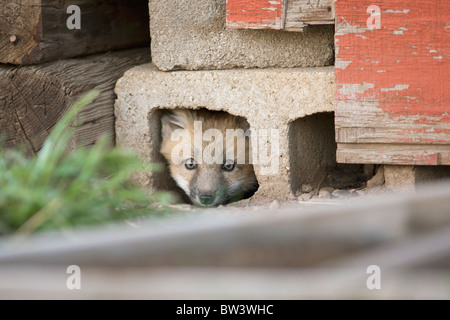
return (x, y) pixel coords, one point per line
(288, 15)
(395, 154)
(33, 98)
(301, 13)
(391, 83)
(289, 253)
(41, 34)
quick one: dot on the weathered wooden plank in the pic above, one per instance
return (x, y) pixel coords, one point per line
(49, 282)
(33, 98)
(255, 14)
(34, 31)
(424, 251)
(395, 154)
(289, 15)
(231, 238)
(301, 13)
(189, 256)
(391, 79)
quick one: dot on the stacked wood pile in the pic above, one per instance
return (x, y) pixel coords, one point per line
(46, 66)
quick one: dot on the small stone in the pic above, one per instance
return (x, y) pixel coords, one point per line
(306, 196)
(274, 205)
(329, 189)
(361, 192)
(324, 194)
(340, 193)
(13, 38)
(354, 193)
(306, 188)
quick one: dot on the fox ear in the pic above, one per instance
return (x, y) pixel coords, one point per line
(172, 120)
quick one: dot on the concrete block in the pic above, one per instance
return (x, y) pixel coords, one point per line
(267, 98)
(411, 178)
(191, 35)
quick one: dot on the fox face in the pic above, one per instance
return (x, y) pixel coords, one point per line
(209, 166)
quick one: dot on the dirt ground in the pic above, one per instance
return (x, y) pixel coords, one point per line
(310, 196)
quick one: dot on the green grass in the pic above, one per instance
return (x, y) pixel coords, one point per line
(57, 189)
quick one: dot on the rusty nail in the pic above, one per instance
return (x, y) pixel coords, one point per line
(13, 38)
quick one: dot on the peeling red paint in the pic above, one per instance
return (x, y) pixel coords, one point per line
(255, 13)
(413, 50)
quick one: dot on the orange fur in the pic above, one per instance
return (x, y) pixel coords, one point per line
(208, 179)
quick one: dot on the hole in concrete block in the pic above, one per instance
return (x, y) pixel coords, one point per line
(164, 181)
(312, 149)
(426, 175)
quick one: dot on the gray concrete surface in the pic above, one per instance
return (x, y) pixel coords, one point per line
(191, 35)
(411, 178)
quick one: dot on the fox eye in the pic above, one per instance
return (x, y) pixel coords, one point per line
(228, 165)
(190, 164)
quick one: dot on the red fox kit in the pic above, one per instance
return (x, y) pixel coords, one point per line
(204, 159)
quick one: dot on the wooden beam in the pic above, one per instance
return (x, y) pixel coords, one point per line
(392, 66)
(33, 98)
(34, 31)
(230, 238)
(394, 154)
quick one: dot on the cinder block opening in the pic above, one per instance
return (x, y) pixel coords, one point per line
(312, 150)
(425, 175)
(163, 179)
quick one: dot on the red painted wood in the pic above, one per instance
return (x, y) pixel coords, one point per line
(256, 14)
(392, 84)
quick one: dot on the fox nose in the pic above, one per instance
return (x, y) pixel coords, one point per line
(206, 199)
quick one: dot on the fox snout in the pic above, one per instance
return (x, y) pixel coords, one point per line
(208, 187)
(214, 185)
(208, 198)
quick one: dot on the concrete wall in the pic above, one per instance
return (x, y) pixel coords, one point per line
(191, 35)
